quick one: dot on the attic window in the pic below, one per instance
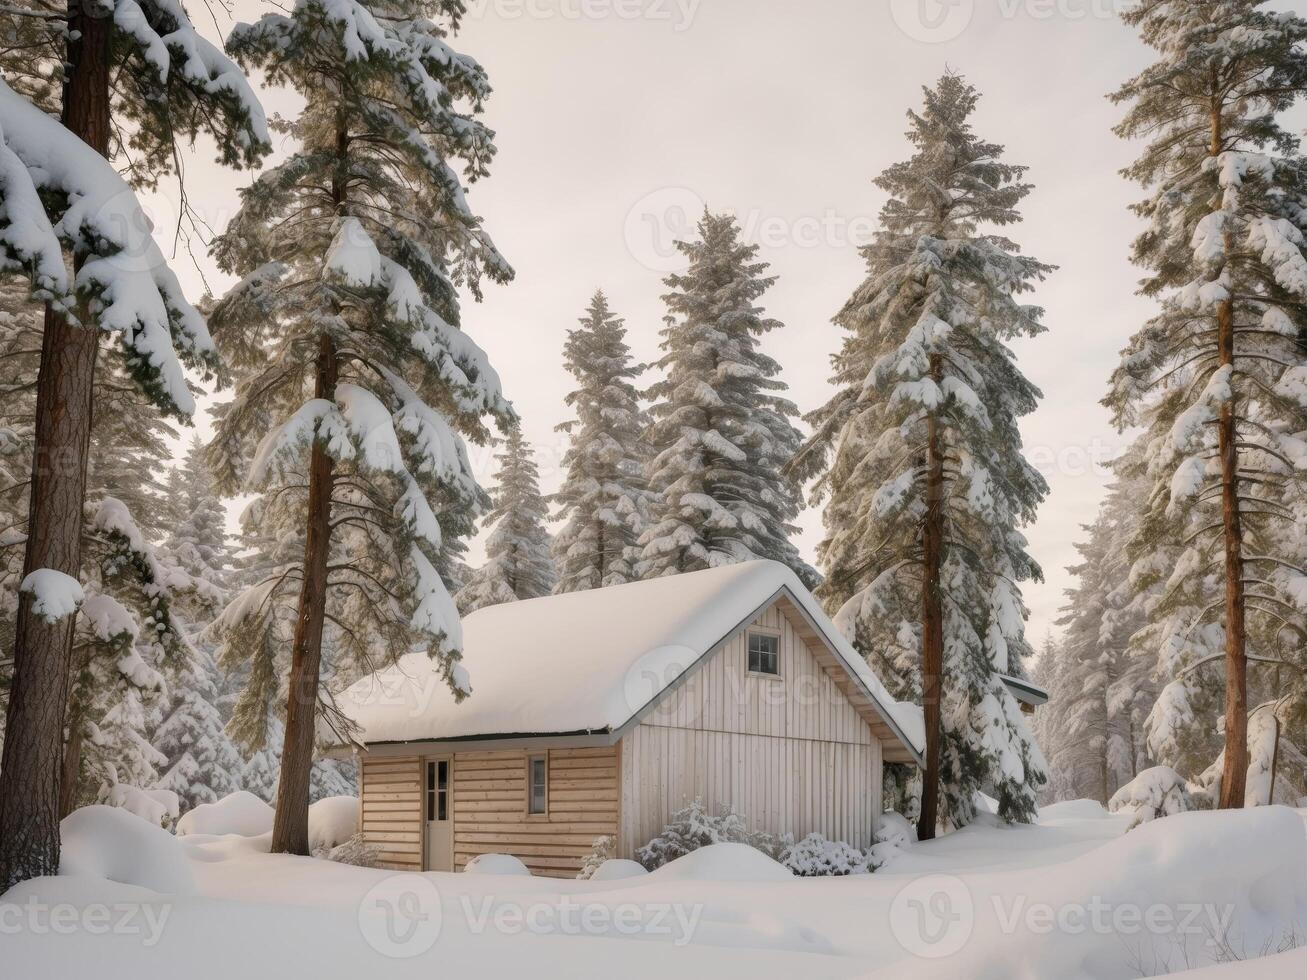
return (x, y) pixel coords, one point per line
(764, 654)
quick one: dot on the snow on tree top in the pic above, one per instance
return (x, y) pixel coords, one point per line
(590, 661)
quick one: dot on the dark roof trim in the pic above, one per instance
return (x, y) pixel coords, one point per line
(1025, 691)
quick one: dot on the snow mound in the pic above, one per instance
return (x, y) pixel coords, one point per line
(496, 864)
(110, 843)
(158, 806)
(332, 821)
(1072, 810)
(1237, 878)
(241, 813)
(617, 869)
(724, 862)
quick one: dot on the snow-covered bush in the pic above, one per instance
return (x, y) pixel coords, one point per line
(815, 856)
(356, 851)
(603, 849)
(694, 827)
(894, 836)
(1156, 792)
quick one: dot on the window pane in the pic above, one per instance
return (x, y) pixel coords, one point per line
(442, 805)
(764, 653)
(442, 779)
(431, 775)
(538, 772)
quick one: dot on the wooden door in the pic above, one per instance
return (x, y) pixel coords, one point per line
(439, 803)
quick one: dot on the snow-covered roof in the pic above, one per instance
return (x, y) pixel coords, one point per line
(593, 662)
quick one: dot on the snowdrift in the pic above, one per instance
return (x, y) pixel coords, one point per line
(1209, 880)
(496, 864)
(106, 842)
(243, 814)
(332, 821)
(723, 862)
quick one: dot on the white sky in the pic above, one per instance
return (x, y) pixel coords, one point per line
(615, 129)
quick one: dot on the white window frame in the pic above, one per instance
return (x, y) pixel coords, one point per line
(749, 634)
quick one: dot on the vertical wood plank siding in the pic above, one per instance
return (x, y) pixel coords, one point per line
(792, 754)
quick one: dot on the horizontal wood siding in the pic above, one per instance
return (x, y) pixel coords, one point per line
(791, 754)
(391, 803)
(490, 807)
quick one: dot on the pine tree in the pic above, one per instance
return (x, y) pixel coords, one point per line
(1219, 376)
(62, 199)
(355, 377)
(518, 563)
(926, 482)
(1105, 686)
(721, 432)
(603, 501)
(200, 762)
(129, 646)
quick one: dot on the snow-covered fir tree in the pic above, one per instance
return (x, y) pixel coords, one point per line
(1095, 720)
(202, 764)
(919, 455)
(604, 500)
(722, 433)
(1219, 376)
(518, 562)
(135, 79)
(356, 382)
(129, 648)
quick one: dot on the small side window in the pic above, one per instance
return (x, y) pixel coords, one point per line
(537, 774)
(764, 654)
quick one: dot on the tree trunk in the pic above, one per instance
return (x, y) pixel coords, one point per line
(38, 699)
(1235, 773)
(290, 827)
(72, 768)
(932, 623)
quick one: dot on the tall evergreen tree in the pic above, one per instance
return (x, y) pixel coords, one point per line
(1219, 376)
(926, 482)
(721, 432)
(603, 501)
(518, 563)
(200, 762)
(62, 200)
(1106, 690)
(355, 377)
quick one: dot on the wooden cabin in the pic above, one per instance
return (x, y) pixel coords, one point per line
(602, 713)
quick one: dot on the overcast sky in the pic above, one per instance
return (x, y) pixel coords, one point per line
(618, 120)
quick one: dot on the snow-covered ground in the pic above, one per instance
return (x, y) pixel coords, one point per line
(1070, 897)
